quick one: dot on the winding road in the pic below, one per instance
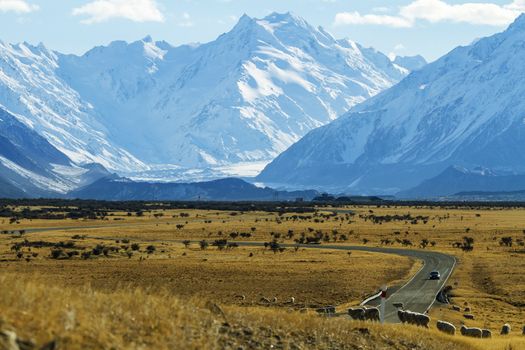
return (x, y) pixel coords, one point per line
(418, 294)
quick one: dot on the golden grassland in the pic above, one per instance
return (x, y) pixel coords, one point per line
(83, 318)
(314, 278)
(488, 280)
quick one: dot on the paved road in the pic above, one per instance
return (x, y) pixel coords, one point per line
(418, 294)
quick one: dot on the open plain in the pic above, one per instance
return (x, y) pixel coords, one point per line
(183, 276)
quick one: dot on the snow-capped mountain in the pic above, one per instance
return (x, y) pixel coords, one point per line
(412, 63)
(466, 109)
(31, 89)
(241, 99)
(154, 111)
(30, 166)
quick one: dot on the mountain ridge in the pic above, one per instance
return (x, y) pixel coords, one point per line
(242, 98)
(463, 109)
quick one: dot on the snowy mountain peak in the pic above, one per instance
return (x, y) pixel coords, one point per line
(147, 39)
(287, 18)
(231, 104)
(518, 25)
(464, 109)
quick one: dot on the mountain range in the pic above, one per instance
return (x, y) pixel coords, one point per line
(150, 110)
(464, 110)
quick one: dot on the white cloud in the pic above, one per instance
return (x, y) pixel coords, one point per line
(135, 10)
(17, 6)
(435, 11)
(384, 20)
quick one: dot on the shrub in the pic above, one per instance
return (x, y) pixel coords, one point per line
(203, 244)
(57, 254)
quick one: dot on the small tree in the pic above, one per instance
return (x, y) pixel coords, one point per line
(506, 241)
(468, 244)
(186, 243)
(203, 244)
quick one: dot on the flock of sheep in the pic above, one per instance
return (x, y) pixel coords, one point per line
(423, 320)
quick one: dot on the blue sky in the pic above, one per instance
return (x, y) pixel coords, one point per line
(404, 27)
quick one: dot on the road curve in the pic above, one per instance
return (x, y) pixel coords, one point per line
(418, 294)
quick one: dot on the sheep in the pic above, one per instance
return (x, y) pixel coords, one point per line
(468, 316)
(446, 327)
(413, 318)
(402, 316)
(264, 300)
(292, 300)
(422, 320)
(372, 314)
(410, 317)
(241, 297)
(471, 332)
(505, 330)
(456, 308)
(274, 300)
(486, 333)
(357, 313)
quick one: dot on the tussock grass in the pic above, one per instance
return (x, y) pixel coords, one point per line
(83, 318)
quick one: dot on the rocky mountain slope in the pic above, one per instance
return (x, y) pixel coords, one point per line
(31, 167)
(465, 109)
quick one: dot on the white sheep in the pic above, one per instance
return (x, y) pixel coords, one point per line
(446, 327)
(471, 332)
(372, 314)
(357, 313)
(505, 330)
(422, 320)
(413, 318)
(265, 300)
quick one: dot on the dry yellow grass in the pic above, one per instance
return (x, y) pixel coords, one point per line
(82, 318)
(489, 280)
(314, 278)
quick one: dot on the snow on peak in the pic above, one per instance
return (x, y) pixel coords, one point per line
(519, 24)
(464, 109)
(240, 99)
